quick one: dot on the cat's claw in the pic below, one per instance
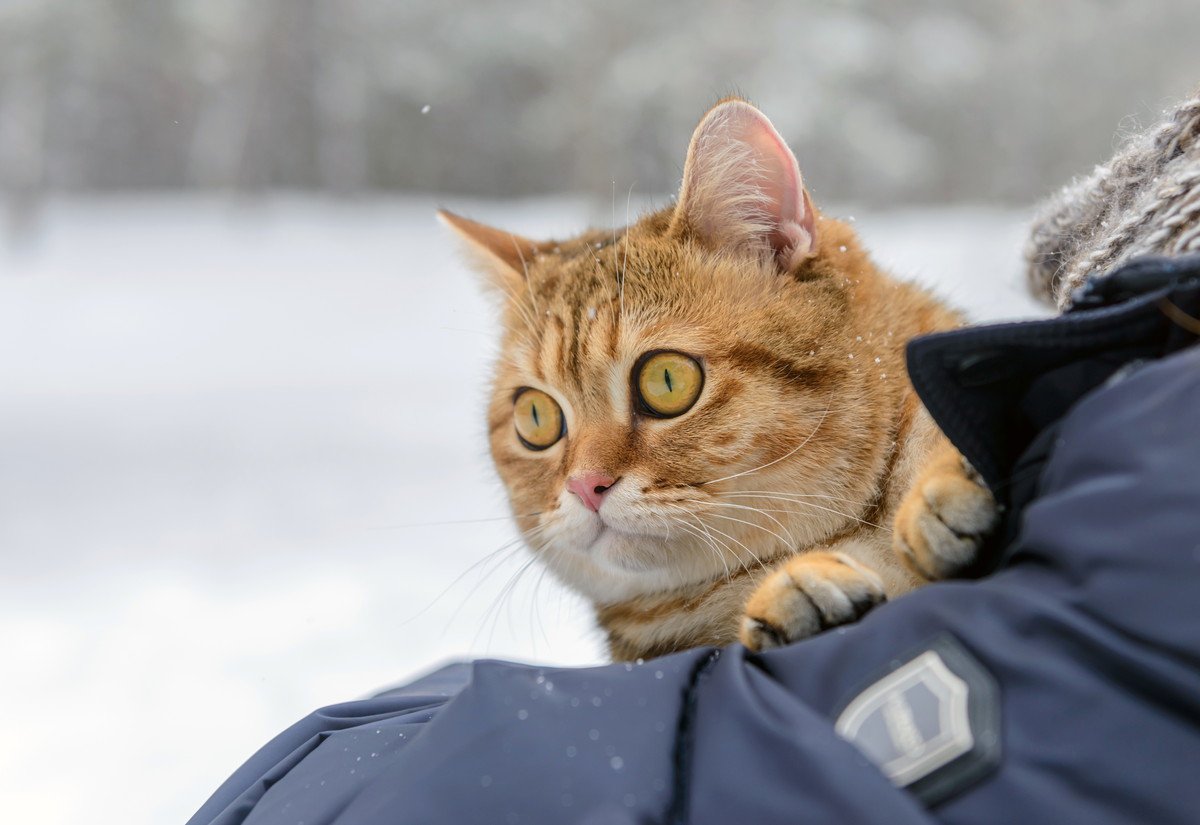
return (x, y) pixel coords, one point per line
(807, 594)
(942, 523)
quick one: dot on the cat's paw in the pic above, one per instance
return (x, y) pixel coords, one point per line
(807, 594)
(942, 523)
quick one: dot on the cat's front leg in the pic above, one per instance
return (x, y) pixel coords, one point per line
(808, 593)
(942, 522)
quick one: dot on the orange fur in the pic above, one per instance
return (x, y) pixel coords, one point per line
(806, 435)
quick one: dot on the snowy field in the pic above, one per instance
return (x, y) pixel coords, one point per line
(243, 474)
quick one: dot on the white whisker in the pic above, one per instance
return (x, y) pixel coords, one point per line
(709, 541)
(708, 528)
(528, 283)
(494, 558)
(736, 557)
(453, 522)
(787, 455)
(784, 497)
(752, 493)
(789, 541)
(493, 610)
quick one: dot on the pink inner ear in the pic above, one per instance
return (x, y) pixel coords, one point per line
(779, 178)
(742, 184)
(781, 183)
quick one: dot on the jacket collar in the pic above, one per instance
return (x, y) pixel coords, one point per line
(993, 389)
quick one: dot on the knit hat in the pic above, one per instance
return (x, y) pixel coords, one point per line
(1145, 200)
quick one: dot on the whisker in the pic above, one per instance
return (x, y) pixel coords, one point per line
(493, 611)
(781, 497)
(596, 258)
(709, 542)
(457, 521)
(537, 607)
(528, 283)
(516, 299)
(789, 454)
(701, 529)
(498, 556)
(736, 557)
(788, 541)
(625, 259)
(484, 333)
(758, 559)
(551, 554)
(708, 528)
(517, 302)
(512, 546)
(694, 530)
(752, 493)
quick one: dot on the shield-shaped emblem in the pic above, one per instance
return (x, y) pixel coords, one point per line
(930, 724)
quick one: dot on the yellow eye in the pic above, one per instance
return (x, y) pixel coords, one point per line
(668, 383)
(539, 419)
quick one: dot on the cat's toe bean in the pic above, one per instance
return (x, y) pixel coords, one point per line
(941, 526)
(808, 594)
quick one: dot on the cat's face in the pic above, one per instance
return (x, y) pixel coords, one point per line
(666, 409)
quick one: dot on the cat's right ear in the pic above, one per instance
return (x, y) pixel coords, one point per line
(502, 256)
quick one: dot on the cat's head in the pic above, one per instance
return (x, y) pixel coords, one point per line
(674, 400)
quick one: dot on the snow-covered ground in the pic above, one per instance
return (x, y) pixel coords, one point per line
(243, 474)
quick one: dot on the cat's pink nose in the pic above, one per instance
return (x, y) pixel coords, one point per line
(591, 487)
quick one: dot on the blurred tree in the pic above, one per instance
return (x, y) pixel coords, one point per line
(886, 101)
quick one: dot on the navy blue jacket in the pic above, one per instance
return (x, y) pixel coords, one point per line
(1077, 655)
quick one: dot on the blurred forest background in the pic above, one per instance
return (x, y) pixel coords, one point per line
(886, 101)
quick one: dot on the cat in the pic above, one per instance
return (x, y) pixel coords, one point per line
(703, 420)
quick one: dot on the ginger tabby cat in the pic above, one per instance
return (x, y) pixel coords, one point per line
(703, 420)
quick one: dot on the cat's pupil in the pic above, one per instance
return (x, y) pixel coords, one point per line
(667, 379)
(537, 421)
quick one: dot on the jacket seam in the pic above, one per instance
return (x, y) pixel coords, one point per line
(677, 810)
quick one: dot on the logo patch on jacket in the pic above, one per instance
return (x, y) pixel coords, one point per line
(932, 724)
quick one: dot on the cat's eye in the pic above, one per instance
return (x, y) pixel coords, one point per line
(667, 383)
(539, 419)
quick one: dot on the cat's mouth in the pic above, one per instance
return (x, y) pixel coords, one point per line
(594, 533)
(614, 526)
(607, 531)
(624, 550)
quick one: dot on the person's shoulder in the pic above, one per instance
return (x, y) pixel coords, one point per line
(1146, 403)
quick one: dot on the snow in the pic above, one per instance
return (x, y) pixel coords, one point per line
(243, 473)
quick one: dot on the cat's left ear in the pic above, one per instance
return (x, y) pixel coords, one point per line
(742, 188)
(502, 256)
